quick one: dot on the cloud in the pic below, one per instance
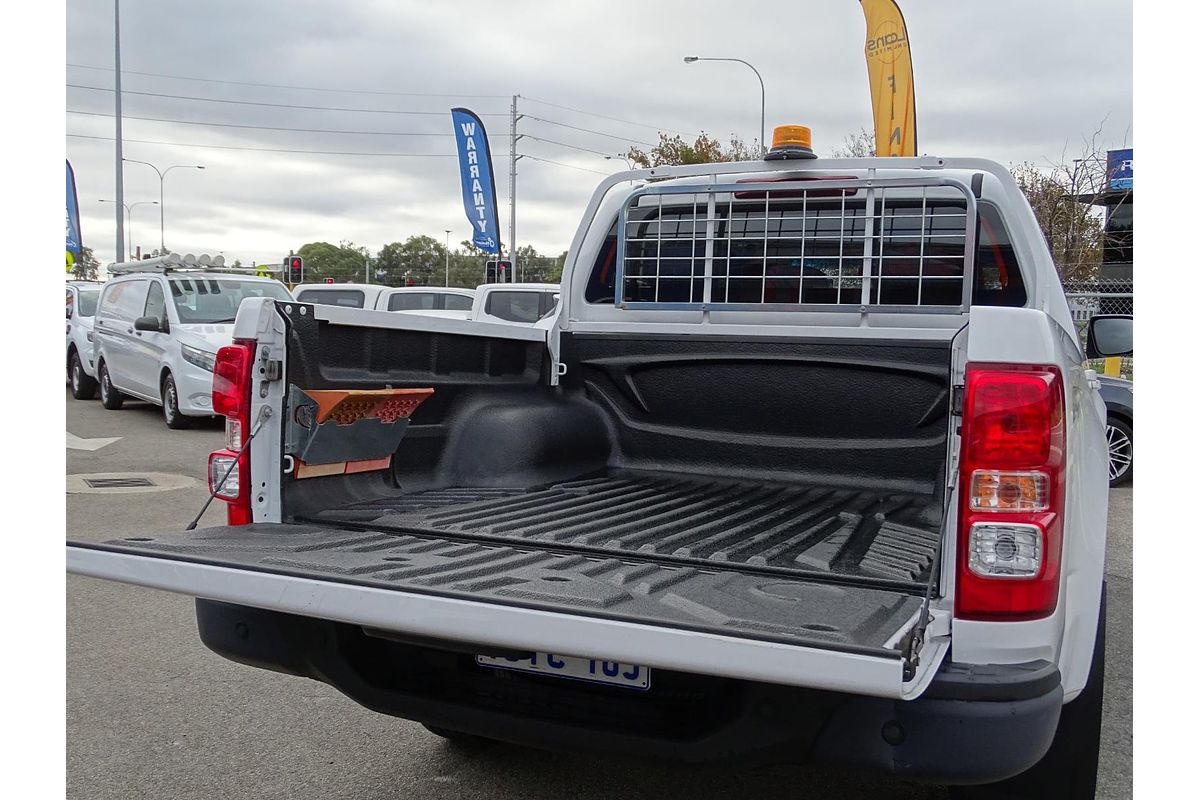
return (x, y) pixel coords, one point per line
(1010, 81)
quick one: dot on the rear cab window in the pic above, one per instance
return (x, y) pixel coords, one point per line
(458, 302)
(515, 306)
(765, 255)
(347, 298)
(412, 301)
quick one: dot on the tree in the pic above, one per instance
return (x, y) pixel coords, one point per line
(856, 145)
(343, 262)
(673, 150)
(533, 267)
(1058, 193)
(86, 267)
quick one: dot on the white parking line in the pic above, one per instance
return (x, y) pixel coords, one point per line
(76, 443)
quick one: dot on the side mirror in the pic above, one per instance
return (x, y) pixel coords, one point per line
(69, 309)
(150, 324)
(1109, 335)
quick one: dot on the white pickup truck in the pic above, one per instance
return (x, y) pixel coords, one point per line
(808, 465)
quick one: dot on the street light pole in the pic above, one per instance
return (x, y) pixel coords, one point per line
(162, 176)
(129, 207)
(447, 257)
(762, 116)
(119, 136)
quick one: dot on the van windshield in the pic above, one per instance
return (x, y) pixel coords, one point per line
(216, 300)
(87, 302)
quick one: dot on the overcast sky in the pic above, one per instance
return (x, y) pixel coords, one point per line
(1013, 81)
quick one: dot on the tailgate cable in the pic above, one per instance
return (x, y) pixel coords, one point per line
(263, 415)
(916, 637)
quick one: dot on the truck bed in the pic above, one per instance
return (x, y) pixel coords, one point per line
(867, 536)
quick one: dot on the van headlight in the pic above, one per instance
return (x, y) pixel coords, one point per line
(201, 358)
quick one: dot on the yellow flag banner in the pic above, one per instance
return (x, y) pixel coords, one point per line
(889, 68)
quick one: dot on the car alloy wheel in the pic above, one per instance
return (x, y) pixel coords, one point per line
(1120, 453)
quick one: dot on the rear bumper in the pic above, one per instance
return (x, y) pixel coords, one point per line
(973, 725)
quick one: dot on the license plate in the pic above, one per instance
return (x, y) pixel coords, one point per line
(593, 670)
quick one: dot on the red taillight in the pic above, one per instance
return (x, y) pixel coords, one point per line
(1010, 514)
(231, 376)
(231, 398)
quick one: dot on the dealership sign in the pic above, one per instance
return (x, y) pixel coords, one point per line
(1120, 169)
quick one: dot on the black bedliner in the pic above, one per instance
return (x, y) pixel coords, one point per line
(632, 588)
(868, 536)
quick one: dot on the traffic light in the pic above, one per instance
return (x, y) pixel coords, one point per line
(295, 269)
(498, 271)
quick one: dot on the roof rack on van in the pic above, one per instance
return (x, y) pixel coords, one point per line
(173, 262)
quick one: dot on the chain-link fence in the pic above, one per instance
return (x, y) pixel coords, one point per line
(1088, 298)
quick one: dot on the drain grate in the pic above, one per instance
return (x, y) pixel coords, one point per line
(117, 483)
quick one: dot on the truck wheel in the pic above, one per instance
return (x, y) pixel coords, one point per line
(1120, 452)
(82, 387)
(110, 397)
(466, 741)
(1068, 770)
(170, 404)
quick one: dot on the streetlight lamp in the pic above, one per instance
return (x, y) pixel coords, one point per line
(762, 118)
(628, 165)
(162, 174)
(129, 207)
(447, 257)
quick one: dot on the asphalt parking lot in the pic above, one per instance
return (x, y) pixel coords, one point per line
(152, 713)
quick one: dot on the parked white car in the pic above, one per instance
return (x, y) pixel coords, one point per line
(157, 333)
(388, 298)
(82, 297)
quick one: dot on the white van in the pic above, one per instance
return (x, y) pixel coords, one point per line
(158, 328)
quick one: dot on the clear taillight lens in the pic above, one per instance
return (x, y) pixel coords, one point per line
(219, 464)
(999, 550)
(233, 434)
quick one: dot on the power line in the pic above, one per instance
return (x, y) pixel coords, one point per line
(605, 116)
(267, 149)
(275, 105)
(564, 144)
(286, 86)
(586, 130)
(268, 127)
(561, 164)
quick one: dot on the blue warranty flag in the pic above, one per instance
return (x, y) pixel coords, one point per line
(74, 237)
(478, 185)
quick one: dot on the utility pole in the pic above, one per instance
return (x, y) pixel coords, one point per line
(120, 204)
(447, 256)
(512, 189)
(367, 266)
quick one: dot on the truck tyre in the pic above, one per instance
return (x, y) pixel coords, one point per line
(466, 741)
(1120, 451)
(170, 404)
(110, 396)
(82, 386)
(1068, 770)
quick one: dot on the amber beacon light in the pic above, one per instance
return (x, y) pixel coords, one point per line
(790, 141)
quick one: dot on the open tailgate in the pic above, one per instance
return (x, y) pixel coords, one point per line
(735, 622)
